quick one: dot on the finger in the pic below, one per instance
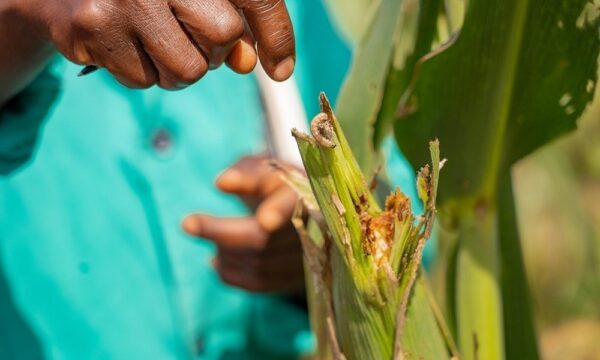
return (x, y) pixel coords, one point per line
(231, 233)
(277, 209)
(239, 279)
(132, 66)
(215, 26)
(271, 258)
(272, 28)
(81, 54)
(251, 176)
(96, 38)
(178, 61)
(280, 275)
(242, 58)
(278, 245)
(124, 58)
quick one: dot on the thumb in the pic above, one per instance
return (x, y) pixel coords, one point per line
(251, 176)
(231, 233)
(277, 210)
(272, 28)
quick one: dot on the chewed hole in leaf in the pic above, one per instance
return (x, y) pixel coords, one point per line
(378, 230)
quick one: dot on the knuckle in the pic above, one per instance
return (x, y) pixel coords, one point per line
(88, 17)
(229, 29)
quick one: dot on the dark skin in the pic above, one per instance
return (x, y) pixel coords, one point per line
(260, 252)
(170, 43)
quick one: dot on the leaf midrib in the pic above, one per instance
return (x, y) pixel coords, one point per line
(503, 105)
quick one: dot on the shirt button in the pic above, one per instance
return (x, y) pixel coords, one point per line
(161, 140)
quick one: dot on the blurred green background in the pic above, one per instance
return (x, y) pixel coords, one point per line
(557, 193)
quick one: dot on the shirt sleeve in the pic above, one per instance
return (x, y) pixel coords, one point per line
(20, 120)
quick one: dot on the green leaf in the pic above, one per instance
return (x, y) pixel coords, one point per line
(422, 320)
(413, 38)
(352, 17)
(517, 77)
(478, 304)
(365, 264)
(519, 74)
(361, 94)
(518, 315)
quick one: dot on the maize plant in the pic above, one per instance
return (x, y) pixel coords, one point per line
(367, 295)
(494, 80)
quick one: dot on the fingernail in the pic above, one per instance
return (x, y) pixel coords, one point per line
(191, 225)
(284, 69)
(242, 58)
(270, 220)
(229, 177)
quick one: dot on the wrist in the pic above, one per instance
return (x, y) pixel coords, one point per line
(24, 51)
(25, 17)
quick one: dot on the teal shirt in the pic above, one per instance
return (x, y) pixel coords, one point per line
(94, 181)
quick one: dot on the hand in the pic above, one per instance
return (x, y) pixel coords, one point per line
(261, 252)
(171, 43)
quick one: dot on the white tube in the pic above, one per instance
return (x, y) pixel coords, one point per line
(283, 111)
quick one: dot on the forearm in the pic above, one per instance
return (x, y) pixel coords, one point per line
(23, 53)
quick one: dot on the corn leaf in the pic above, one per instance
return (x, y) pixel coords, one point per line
(362, 91)
(363, 259)
(352, 17)
(414, 38)
(515, 292)
(519, 74)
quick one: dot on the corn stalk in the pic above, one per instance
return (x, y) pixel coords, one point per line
(367, 295)
(494, 80)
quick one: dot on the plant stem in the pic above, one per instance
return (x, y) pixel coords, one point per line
(519, 326)
(479, 302)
